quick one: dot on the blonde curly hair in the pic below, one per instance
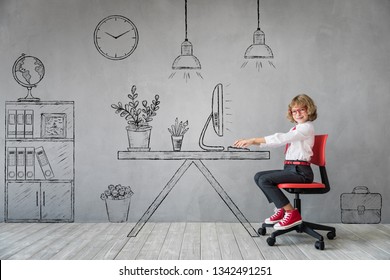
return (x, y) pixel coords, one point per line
(306, 102)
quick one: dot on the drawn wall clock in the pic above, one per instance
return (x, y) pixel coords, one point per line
(116, 37)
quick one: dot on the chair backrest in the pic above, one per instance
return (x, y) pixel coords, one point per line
(319, 157)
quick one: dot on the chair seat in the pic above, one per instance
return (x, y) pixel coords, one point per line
(314, 185)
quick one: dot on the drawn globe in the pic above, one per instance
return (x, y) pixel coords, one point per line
(28, 71)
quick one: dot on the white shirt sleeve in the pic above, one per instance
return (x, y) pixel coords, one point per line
(301, 140)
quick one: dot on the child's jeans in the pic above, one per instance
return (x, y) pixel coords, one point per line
(268, 181)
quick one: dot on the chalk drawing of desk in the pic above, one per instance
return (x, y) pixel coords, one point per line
(196, 158)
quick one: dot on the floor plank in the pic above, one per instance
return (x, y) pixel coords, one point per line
(246, 244)
(73, 231)
(185, 241)
(173, 242)
(130, 247)
(209, 245)
(77, 244)
(18, 234)
(152, 247)
(291, 250)
(352, 245)
(112, 247)
(94, 245)
(227, 242)
(306, 244)
(22, 240)
(268, 253)
(51, 234)
(190, 249)
(368, 240)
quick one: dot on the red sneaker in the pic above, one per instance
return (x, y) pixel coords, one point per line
(278, 216)
(290, 219)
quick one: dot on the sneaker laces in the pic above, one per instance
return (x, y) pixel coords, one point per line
(286, 218)
(277, 213)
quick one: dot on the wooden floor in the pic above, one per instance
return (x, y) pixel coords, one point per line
(193, 241)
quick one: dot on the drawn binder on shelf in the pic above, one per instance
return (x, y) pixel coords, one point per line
(20, 163)
(28, 123)
(11, 124)
(30, 163)
(19, 123)
(44, 163)
(11, 163)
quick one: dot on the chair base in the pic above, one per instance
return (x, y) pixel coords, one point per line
(306, 227)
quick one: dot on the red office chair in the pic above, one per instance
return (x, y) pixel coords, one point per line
(318, 159)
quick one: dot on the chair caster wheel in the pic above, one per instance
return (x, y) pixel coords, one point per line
(320, 245)
(261, 231)
(271, 241)
(331, 235)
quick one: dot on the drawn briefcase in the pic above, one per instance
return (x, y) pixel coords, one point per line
(361, 206)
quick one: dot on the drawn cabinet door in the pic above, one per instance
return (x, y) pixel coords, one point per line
(56, 201)
(23, 201)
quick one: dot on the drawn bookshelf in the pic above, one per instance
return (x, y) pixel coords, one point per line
(39, 161)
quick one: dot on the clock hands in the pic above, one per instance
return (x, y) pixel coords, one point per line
(110, 35)
(120, 35)
(116, 37)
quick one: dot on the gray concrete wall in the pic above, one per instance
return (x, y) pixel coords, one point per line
(335, 51)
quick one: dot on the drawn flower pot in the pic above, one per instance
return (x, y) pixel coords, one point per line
(118, 210)
(117, 200)
(177, 142)
(139, 138)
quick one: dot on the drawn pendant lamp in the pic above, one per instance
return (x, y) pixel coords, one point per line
(186, 60)
(258, 50)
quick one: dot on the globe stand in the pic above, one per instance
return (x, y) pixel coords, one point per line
(29, 97)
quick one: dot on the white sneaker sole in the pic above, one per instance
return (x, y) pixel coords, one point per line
(268, 222)
(279, 227)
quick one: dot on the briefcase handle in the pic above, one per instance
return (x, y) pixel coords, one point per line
(360, 189)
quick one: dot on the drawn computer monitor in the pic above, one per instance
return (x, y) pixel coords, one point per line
(216, 117)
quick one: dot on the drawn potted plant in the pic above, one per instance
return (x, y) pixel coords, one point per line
(177, 131)
(138, 129)
(117, 199)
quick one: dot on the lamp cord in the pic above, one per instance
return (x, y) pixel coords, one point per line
(258, 14)
(185, 17)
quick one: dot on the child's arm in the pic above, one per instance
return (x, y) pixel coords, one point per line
(243, 143)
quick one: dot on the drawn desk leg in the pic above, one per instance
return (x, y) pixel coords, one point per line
(226, 198)
(213, 182)
(159, 199)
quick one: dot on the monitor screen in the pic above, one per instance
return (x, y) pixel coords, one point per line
(216, 116)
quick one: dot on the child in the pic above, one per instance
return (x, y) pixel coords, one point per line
(299, 142)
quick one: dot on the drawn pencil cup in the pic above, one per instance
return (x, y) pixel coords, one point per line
(177, 131)
(177, 142)
(117, 199)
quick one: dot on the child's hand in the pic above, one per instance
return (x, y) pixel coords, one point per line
(242, 143)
